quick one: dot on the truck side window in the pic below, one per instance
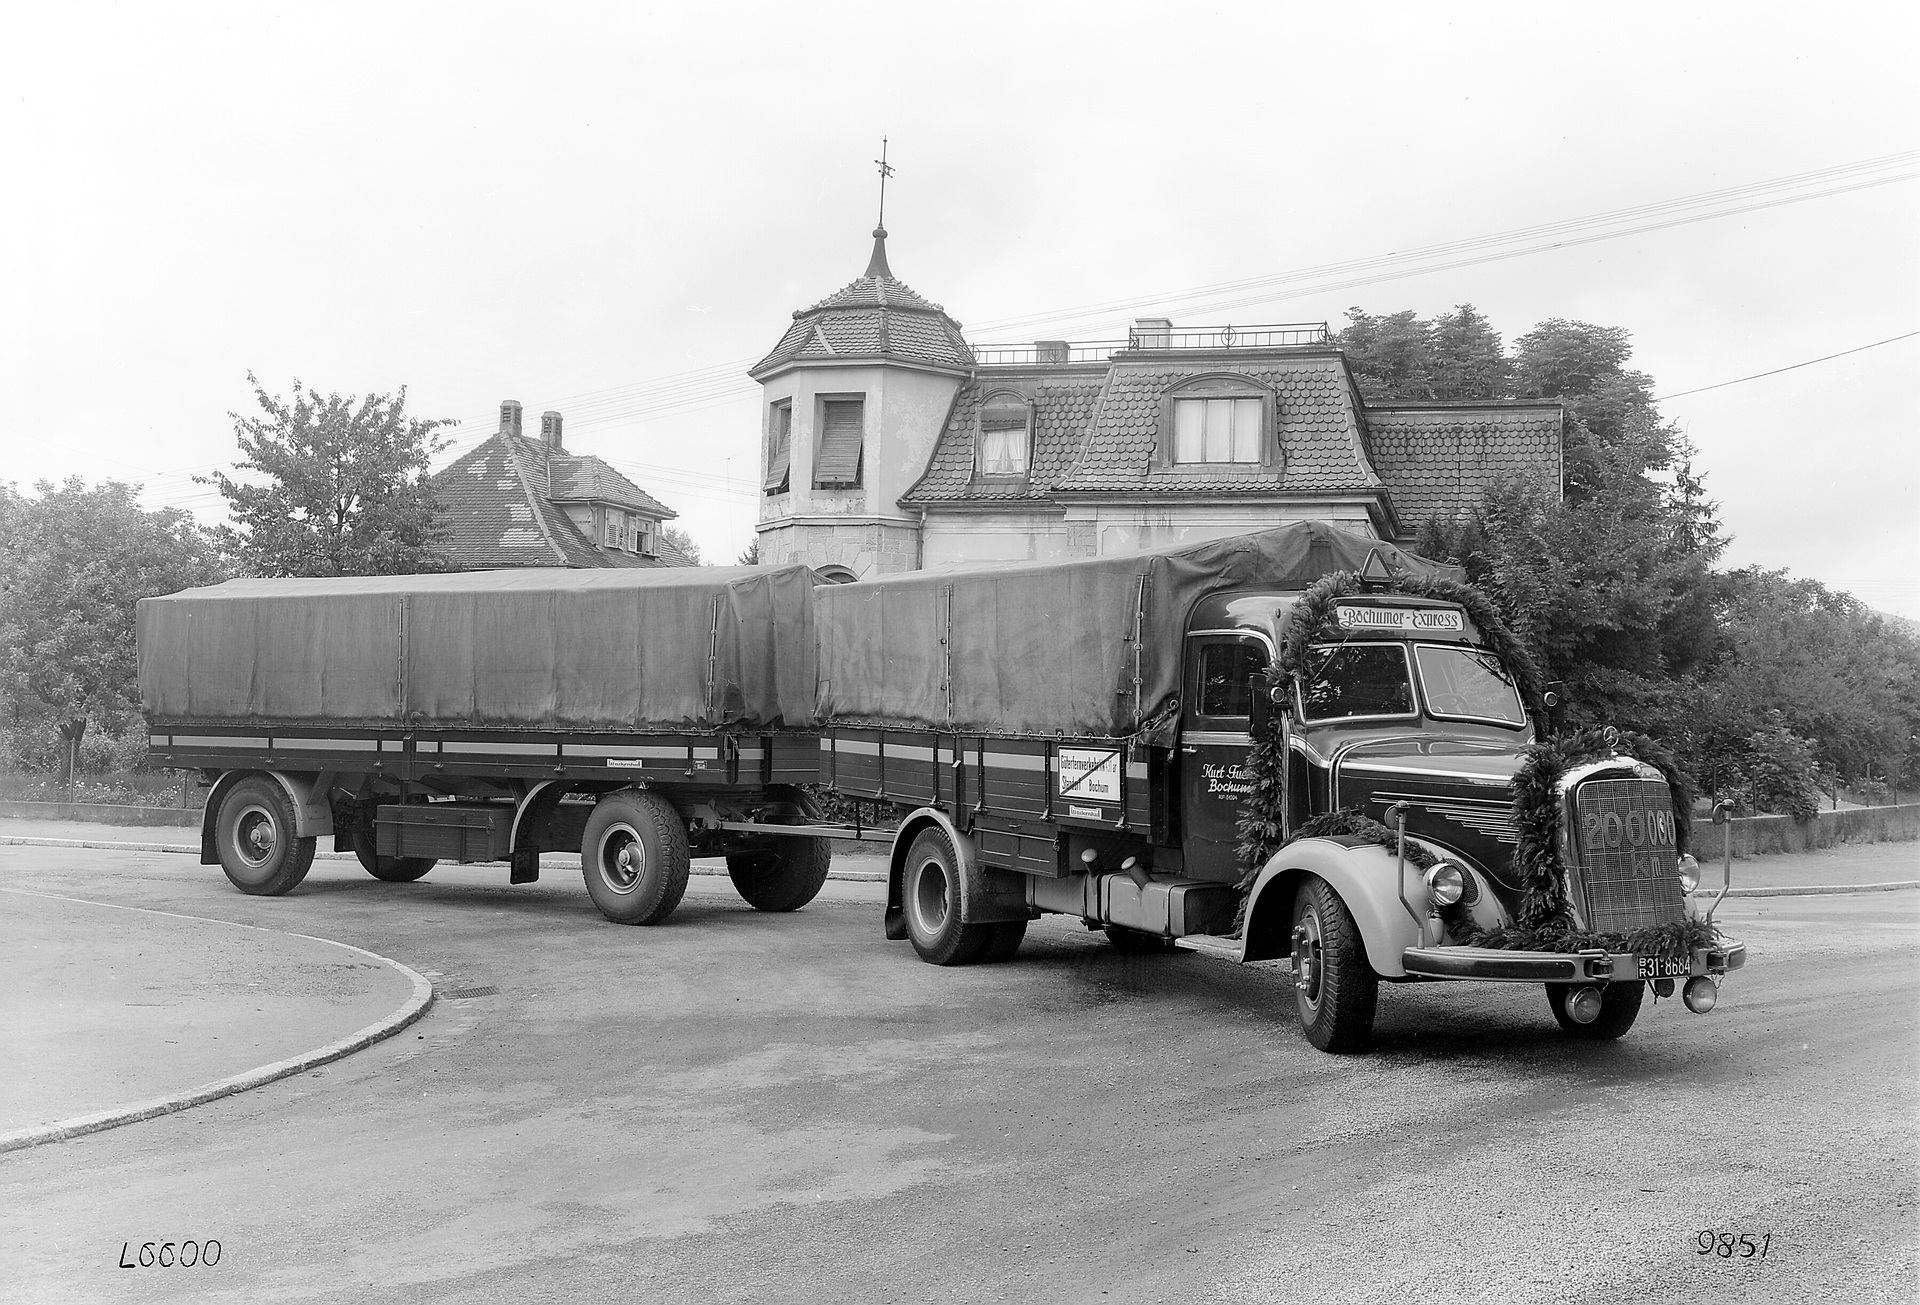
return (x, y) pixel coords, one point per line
(1227, 673)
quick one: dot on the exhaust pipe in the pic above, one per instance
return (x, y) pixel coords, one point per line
(1700, 994)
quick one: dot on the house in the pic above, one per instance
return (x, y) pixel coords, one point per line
(521, 501)
(891, 443)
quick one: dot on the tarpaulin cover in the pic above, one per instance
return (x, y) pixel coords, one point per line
(1048, 647)
(527, 649)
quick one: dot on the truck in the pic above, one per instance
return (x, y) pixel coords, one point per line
(1299, 745)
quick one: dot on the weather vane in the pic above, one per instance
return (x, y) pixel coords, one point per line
(885, 172)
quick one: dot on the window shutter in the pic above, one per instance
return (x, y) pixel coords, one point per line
(841, 432)
(779, 449)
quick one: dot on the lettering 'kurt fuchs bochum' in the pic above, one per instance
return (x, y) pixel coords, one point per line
(891, 443)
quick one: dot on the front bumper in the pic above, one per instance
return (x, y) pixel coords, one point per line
(1492, 963)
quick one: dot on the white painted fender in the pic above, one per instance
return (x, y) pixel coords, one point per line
(1362, 876)
(306, 794)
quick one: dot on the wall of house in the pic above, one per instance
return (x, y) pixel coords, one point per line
(1000, 537)
(905, 411)
(1129, 527)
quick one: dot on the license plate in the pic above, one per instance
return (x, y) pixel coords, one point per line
(1660, 967)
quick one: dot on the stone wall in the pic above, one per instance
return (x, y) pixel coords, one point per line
(1761, 835)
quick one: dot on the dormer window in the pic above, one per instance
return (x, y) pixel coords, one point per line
(643, 537)
(1218, 421)
(1005, 437)
(779, 447)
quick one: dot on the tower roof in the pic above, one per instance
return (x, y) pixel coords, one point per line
(878, 316)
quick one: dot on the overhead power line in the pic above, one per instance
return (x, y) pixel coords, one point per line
(1742, 380)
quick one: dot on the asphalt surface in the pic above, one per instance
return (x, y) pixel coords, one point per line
(743, 1107)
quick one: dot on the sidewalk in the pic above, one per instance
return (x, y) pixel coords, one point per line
(1870, 865)
(117, 1013)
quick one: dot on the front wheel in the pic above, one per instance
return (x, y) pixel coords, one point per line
(931, 890)
(1334, 987)
(1619, 1008)
(254, 836)
(634, 856)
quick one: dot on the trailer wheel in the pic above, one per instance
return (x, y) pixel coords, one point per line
(930, 888)
(1333, 985)
(784, 879)
(634, 857)
(1619, 1008)
(387, 869)
(254, 836)
(1137, 942)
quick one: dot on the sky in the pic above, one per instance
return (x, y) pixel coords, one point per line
(613, 210)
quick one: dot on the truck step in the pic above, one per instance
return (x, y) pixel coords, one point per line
(1209, 944)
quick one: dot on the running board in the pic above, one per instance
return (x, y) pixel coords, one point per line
(1209, 944)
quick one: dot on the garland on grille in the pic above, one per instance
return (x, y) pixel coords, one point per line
(1544, 922)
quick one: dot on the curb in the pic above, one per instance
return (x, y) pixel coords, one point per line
(563, 862)
(1810, 890)
(414, 1007)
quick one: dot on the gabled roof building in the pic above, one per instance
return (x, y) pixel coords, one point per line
(520, 501)
(891, 443)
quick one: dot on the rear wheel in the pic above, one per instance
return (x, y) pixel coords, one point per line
(1619, 1008)
(931, 890)
(1334, 987)
(388, 869)
(634, 857)
(254, 836)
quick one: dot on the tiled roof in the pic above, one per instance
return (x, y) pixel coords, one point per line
(497, 513)
(1437, 458)
(1320, 436)
(1061, 404)
(876, 316)
(573, 479)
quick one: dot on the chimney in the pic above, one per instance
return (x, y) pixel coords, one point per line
(509, 416)
(1152, 333)
(550, 431)
(1052, 351)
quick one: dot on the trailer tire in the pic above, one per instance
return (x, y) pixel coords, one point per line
(1138, 942)
(931, 892)
(387, 869)
(253, 835)
(634, 857)
(1619, 1008)
(784, 879)
(1334, 988)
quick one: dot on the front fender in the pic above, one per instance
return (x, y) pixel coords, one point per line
(1364, 879)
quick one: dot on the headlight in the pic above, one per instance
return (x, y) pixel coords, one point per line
(1689, 873)
(1446, 883)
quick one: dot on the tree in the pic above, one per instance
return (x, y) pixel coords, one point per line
(750, 556)
(681, 540)
(1457, 355)
(346, 488)
(73, 562)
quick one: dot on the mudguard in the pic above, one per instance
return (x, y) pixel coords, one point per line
(1363, 876)
(990, 894)
(307, 794)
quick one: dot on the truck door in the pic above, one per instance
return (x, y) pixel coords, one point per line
(1214, 743)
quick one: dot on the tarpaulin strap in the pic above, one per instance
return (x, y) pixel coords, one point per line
(946, 649)
(713, 653)
(1139, 623)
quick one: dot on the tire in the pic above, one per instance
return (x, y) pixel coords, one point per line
(254, 836)
(1619, 1008)
(387, 869)
(930, 892)
(634, 858)
(1006, 940)
(784, 879)
(1136, 942)
(1334, 987)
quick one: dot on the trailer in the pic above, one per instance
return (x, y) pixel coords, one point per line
(638, 716)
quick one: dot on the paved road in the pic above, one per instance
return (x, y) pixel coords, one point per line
(743, 1107)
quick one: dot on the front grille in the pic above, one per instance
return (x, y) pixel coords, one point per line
(1629, 860)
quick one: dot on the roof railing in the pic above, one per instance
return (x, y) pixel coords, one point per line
(1153, 338)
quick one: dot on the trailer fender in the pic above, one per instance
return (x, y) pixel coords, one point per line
(1362, 876)
(312, 814)
(990, 895)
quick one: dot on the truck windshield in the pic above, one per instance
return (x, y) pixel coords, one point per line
(1467, 684)
(1367, 679)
